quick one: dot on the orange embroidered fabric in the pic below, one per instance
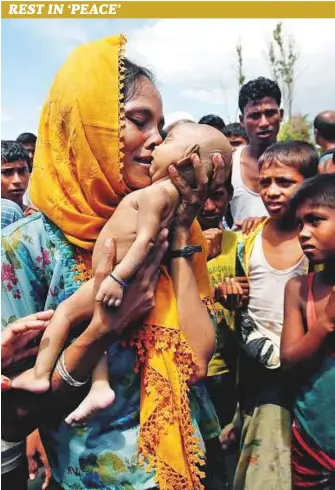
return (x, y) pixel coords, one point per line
(77, 183)
(167, 440)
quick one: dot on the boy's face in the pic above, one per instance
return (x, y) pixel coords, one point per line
(14, 180)
(317, 232)
(278, 183)
(215, 206)
(236, 141)
(30, 147)
(261, 120)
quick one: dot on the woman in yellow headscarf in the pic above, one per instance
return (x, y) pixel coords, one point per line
(101, 121)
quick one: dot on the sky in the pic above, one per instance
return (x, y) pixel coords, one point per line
(194, 61)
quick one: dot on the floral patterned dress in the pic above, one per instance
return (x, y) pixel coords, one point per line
(39, 270)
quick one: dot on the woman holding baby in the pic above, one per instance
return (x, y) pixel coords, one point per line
(98, 128)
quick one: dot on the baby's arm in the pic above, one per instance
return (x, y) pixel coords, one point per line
(70, 313)
(152, 206)
(296, 345)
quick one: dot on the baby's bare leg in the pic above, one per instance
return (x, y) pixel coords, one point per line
(74, 310)
(99, 397)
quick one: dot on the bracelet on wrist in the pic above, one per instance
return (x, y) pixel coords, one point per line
(65, 375)
(122, 283)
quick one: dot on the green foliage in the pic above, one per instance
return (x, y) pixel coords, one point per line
(296, 128)
(283, 57)
(240, 72)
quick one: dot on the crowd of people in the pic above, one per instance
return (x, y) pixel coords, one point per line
(168, 293)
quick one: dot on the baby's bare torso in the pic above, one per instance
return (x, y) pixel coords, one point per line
(122, 226)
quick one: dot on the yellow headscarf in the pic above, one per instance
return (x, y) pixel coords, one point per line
(77, 183)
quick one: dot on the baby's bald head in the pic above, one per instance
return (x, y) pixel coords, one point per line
(206, 141)
(185, 138)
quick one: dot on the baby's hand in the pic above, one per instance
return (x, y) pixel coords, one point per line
(110, 292)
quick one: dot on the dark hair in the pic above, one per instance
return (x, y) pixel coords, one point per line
(163, 133)
(235, 129)
(297, 154)
(26, 138)
(317, 191)
(12, 151)
(212, 120)
(256, 90)
(325, 124)
(132, 81)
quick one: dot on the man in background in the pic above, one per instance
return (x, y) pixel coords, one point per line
(259, 102)
(324, 134)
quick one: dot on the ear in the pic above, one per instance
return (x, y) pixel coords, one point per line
(241, 120)
(281, 114)
(190, 150)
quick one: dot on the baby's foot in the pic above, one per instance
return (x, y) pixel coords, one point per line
(98, 398)
(29, 382)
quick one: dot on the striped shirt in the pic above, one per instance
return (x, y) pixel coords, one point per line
(10, 212)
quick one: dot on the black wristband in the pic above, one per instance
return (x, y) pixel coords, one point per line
(186, 251)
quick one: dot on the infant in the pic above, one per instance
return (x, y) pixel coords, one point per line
(135, 224)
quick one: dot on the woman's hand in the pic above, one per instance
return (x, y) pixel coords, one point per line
(17, 335)
(36, 456)
(193, 199)
(214, 241)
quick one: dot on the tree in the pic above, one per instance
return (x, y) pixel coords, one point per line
(283, 57)
(240, 72)
(296, 128)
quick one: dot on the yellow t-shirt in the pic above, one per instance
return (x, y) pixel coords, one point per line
(224, 265)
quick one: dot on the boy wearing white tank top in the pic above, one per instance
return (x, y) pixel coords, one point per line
(259, 103)
(271, 256)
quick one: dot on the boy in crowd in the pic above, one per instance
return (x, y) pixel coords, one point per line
(15, 172)
(28, 140)
(259, 103)
(324, 133)
(213, 120)
(271, 255)
(223, 265)
(308, 340)
(236, 135)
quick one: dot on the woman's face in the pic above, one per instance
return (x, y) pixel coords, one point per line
(144, 123)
